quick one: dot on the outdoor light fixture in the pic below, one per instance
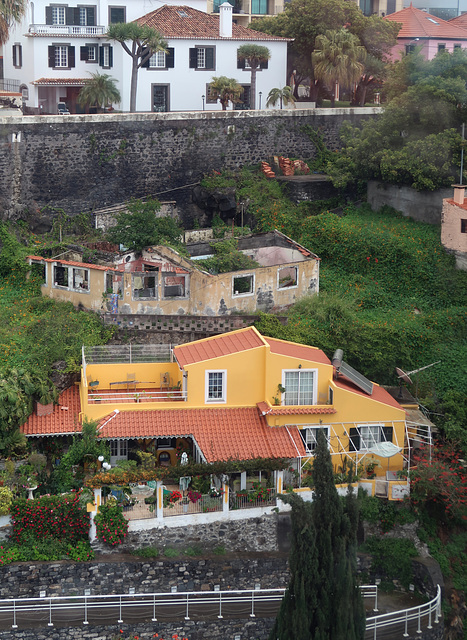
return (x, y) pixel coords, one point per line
(203, 98)
(260, 96)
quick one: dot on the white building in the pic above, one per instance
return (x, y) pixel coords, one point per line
(52, 52)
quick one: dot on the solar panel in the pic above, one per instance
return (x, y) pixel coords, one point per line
(362, 383)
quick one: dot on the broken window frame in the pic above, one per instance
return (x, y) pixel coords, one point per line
(114, 280)
(86, 280)
(170, 274)
(145, 277)
(286, 286)
(66, 278)
(246, 293)
(44, 272)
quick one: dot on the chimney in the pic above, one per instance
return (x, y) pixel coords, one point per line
(459, 193)
(225, 20)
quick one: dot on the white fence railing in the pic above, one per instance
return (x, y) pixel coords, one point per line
(138, 396)
(127, 353)
(184, 605)
(56, 29)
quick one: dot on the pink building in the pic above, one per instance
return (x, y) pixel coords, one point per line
(454, 226)
(429, 33)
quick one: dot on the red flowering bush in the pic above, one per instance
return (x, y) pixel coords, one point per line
(194, 496)
(59, 517)
(440, 483)
(111, 526)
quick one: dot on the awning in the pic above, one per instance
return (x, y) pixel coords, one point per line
(385, 450)
(60, 82)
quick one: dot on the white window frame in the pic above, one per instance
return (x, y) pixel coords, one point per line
(106, 56)
(368, 440)
(95, 53)
(17, 56)
(86, 272)
(249, 293)
(59, 15)
(57, 265)
(61, 56)
(201, 57)
(293, 286)
(158, 60)
(314, 388)
(310, 436)
(223, 398)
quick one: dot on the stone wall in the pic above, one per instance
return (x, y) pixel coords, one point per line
(422, 206)
(83, 163)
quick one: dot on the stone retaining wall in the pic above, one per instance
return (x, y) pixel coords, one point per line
(84, 163)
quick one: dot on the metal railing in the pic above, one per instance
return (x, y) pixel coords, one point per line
(137, 396)
(73, 609)
(128, 353)
(9, 85)
(431, 611)
(61, 29)
(246, 602)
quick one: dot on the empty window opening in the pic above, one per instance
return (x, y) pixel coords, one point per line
(174, 285)
(39, 272)
(81, 279)
(287, 277)
(145, 285)
(464, 225)
(61, 276)
(243, 285)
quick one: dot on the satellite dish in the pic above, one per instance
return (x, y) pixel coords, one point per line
(403, 376)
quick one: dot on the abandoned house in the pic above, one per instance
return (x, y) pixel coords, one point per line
(161, 281)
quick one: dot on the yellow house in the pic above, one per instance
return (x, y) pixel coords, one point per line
(236, 395)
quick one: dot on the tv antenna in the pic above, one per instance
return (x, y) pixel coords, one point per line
(404, 376)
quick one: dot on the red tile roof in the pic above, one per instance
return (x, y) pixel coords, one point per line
(72, 263)
(295, 411)
(217, 346)
(294, 350)
(419, 24)
(187, 23)
(63, 420)
(459, 21)
(379, 394)
(61, 82)
(456, 204)
(220, 433)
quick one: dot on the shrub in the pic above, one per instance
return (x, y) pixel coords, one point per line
(6, 498)
(111, 526)
(146, 552)
(49, 550)
(58, 517)
(392, 558)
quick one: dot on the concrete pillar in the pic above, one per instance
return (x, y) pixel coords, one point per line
(279, 481)
(225, 497)
(93, 509)
(243, 481)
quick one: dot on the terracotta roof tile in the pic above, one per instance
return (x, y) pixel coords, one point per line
(459, 21)
(294, 350)
(72, 263)
(61, 82)
(456, 204)
(266, 409)
(217, 346)
(220, 433)
(420, 24)
(188, 23)
(63, 420)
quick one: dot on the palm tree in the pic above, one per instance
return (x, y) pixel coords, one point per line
(145, 41)
(225, 90)
(10, 11)
(254, 55)
(99, 91)
(337, 59)
(284, 96)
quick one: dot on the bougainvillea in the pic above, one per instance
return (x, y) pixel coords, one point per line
(111, 526)
(440, 483)
(60, 517)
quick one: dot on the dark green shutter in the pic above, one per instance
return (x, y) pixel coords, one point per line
(71, 57)
(70, 15)
(84, 53)
(240, 63)
(209, 52)
(145, 64)
(48, 15)
(193, 58)
(91, 17)
(111, 56)
(101, 56)
(264, 65)
(387, 434)
(354, 440)
(170, 58)
(51, 56)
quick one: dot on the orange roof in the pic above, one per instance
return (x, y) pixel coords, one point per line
(61, 82)
(292, 411)
(419, 24)
(456, 204)
(63, 420)
(379, 394)
(220, 433)
(217, 346)
(72, 263)
(295, 350)
(187, 23)
(459, 21)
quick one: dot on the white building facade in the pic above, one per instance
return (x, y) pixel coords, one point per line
(53, 51)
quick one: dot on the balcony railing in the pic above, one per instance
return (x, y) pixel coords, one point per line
(138, 396)
(9, 85)
(127, 353)
(65, 30)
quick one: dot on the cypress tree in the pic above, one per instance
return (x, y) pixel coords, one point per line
(322, 601)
